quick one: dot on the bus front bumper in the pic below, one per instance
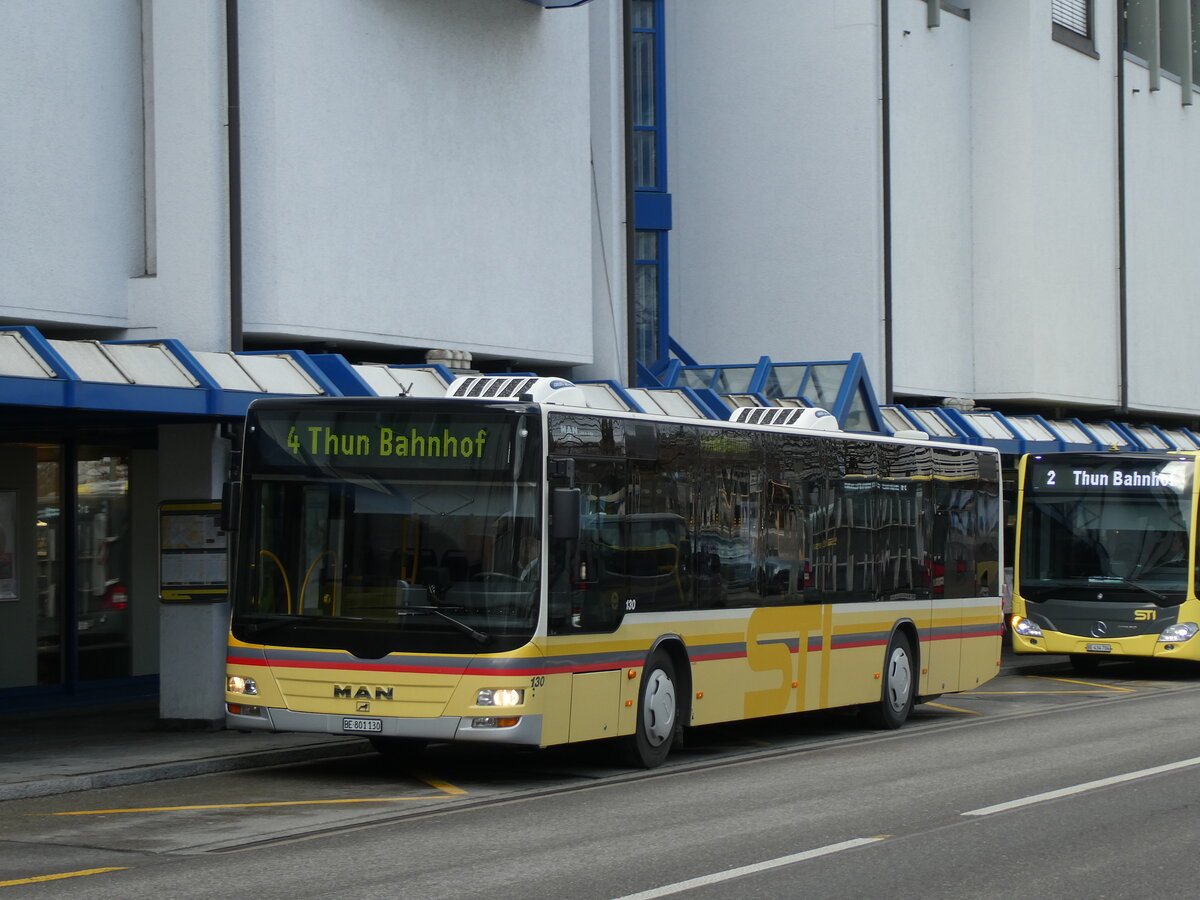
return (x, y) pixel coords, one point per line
(1142, 646)
(527, 731)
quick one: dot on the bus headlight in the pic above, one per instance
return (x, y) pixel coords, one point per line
(1178, 633)
(236, 684)
(500, 697)
(1025, 627)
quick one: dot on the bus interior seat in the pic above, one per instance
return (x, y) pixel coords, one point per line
(456, 564)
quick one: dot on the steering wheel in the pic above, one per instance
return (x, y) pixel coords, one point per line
(494, 576)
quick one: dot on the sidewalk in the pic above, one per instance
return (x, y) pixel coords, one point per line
(63, 751)
(76, 750)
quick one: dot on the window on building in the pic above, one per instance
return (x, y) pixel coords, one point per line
(1175, 37)
(650, 317)
(646, 77)
(1072, 25)
(1165, 34)
(648, 171)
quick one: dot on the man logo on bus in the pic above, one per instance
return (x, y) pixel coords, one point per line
(348, 692)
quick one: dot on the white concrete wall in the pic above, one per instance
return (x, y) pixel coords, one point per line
(186, 293)
(417, 174)
(1045, 209)
(610, 341)
(1162, 146)
(774, 148)
(933, 349)
(71, 223)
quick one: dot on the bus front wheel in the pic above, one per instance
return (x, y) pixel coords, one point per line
(899, 683)
(657, 715)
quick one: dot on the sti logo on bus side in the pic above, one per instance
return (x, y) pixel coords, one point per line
(348, 692)
(1145, 615)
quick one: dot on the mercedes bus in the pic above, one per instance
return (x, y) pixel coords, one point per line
(1105, 556)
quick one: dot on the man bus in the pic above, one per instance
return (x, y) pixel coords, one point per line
(523, 569)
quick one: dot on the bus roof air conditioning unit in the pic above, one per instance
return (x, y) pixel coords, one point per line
(811, 418)
(516, 388)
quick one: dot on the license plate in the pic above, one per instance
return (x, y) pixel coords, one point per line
(1099, 648)
(368, 725)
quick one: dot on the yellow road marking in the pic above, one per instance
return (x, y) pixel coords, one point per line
(61, 875)
(969, 712)
(145, 809)
(1111, 687)
(1097, 688)
(996, 694)
(440, 785)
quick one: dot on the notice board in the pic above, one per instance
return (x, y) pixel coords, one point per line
(193, 552)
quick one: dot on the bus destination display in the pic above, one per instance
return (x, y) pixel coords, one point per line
(375, 441)
(1068, 475)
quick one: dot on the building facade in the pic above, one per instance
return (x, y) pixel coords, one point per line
(986, 201)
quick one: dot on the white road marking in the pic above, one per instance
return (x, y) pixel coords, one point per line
(730, 874)
(1086, 786)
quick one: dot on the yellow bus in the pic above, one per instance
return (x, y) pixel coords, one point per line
(526, 570)
(1105, 556)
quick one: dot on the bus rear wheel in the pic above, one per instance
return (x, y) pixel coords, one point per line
(899, 686)
(657, 715)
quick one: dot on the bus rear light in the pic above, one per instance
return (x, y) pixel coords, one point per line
(1178, 633)
(116, 597)
(1026, 627)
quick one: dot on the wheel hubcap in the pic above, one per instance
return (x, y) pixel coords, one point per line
(659, 708)
(899, 684)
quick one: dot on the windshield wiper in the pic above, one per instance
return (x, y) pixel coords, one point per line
(1101, 580)
(1158, 598)
(477, 636)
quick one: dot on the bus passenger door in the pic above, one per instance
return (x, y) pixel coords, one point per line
(586, 597)
(942, 650)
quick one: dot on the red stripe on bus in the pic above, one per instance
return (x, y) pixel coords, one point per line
(357, 667)
(963, 635)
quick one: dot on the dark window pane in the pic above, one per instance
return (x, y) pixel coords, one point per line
(643, 13)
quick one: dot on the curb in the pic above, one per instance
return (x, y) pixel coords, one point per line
(66, 784)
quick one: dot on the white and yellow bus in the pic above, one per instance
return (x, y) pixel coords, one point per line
(1105, 556)
(527, 570)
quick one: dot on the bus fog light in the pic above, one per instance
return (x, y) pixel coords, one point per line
(1178, 633)
(500, 697)
(1026, 627)
(494, 721)
(236, 684)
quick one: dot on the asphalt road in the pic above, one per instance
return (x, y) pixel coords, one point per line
(1034, 786)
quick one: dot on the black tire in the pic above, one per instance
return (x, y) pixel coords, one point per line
(657, 715)
(1083, 664)
(898, 692)
(398, 749)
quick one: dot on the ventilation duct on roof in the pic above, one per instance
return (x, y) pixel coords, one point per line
(516, 388)
(812, 418)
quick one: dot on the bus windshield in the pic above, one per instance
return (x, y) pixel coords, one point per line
(1111, 528)
(353, 541)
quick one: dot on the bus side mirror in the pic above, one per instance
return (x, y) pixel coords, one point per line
(231, 501)
(564, 514)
